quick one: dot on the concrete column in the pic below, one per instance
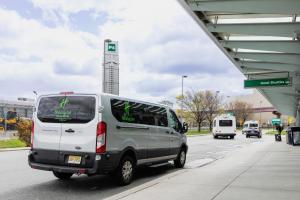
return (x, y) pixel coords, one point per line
(298, 118)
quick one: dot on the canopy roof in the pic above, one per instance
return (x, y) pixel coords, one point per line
(260, 37)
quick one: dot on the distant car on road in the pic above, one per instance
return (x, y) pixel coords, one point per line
(103, 134)
(224, 125)
(251, 128)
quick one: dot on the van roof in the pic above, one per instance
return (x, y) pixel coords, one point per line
(108, 95)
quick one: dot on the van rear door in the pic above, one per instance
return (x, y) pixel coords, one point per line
(79, 117)
(47, 128)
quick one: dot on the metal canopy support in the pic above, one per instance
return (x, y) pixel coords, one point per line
(274, 45)
(270, 57)
(270, 65)
(298, 118)
(288, 46)
(246, 6)
(258, 29)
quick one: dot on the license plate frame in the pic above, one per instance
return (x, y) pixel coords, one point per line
(72, 159)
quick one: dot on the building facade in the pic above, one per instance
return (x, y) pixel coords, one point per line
(263, 110)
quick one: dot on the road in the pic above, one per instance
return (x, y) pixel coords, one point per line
(19, 181)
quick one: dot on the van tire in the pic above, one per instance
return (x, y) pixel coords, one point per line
(125, 171)
(62, 175)
(215, 137)
(231, 137)
(181, 158)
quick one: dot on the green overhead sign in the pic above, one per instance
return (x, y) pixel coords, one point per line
(276, 121)
(275, 82)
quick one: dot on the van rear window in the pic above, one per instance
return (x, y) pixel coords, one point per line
(67, 109)
(225, 123)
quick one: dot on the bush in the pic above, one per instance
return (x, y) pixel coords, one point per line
(24, 130)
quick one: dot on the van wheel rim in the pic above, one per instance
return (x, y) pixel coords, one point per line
(127, 170)
(182, 157)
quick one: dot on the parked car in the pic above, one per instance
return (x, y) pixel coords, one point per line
(104, 134)
(224, 125)
(251, 128)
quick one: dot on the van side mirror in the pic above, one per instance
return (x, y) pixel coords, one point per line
(185, 127)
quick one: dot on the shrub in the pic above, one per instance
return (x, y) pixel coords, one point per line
(24, 130)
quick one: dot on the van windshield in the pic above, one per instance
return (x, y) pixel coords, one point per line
(66, 109)
(225, 123)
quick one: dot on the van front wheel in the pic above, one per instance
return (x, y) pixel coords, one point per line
(62, 175)
(180, 160)
(125, 171)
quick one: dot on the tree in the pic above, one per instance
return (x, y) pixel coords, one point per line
(241, 110)
(194, 103)
(212, 106)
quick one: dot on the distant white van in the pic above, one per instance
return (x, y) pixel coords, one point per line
(103, 134)
(224, 125)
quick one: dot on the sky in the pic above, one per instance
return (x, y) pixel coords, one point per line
(51, 46)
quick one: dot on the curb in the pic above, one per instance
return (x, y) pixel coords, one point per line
(14, 149)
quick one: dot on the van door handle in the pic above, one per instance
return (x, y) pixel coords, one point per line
(69, 130)
(167, 132)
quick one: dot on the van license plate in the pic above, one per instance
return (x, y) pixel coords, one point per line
(74, 160)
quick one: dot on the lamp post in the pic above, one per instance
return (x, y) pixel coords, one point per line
(182, 77)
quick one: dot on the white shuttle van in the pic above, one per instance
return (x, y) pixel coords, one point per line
(103, 134)
(224, 125)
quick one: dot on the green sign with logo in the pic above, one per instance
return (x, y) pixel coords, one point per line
(111, 47)
(275, 82)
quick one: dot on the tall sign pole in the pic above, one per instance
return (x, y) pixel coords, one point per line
(110, 78)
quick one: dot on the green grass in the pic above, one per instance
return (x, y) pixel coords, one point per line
(195, 132)
(273, 132)
(12, 143)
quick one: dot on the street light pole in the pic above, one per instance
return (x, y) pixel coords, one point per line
(182, 77)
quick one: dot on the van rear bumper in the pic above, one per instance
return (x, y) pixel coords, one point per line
(107, 163)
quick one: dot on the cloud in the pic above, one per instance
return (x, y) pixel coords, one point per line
(58, 47)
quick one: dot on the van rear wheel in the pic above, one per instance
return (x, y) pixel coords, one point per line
(125, 171)
(62, 175)
(180, 160)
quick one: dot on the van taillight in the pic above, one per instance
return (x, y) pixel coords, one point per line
(101, 138)
(32, 135)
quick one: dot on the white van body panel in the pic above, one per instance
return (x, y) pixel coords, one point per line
(83, 139)
(48, 136)
(224, 130)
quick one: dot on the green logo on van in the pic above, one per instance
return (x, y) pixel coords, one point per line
(127, 116)
(60, 112)
(63, 103)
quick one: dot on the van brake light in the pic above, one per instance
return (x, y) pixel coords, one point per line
(101, 137)
(32, 135)
(66, 93)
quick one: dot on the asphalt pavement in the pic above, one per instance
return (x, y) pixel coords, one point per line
(19, 181)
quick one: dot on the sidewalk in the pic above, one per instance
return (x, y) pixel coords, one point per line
(263, 170)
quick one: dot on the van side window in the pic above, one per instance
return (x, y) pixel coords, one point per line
(174, 122)
(138, 113)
